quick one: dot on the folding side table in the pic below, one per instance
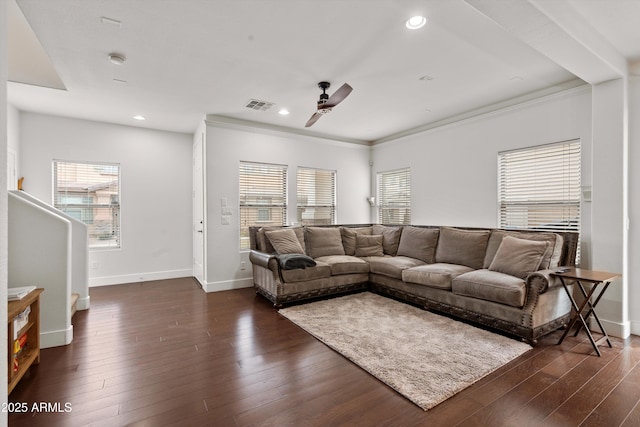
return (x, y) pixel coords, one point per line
(595, 278)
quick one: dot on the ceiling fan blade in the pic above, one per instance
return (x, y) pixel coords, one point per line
(313, 119)
(338, 96)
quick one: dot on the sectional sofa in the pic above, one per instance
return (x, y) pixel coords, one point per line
(497, 278)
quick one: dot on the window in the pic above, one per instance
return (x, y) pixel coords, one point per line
(539, 187)
(90, 192)
(263, 197)
(394, 197)
(316, 194)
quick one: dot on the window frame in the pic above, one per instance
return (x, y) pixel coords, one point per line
(87, 208)
(402, 202)
(250, 202)
(325, 203)
(530, 197)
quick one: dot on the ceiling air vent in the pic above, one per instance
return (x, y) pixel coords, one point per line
(256, 104)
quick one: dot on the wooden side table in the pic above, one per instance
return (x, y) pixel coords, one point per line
(587, 308)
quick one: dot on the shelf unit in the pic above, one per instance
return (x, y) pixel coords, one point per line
(30, 355)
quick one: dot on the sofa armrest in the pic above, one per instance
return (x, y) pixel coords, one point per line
(542, 280)
(261, 258)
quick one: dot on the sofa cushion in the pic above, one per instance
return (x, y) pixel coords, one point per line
(344, 264)
(463, 247)
(551, 258)
(320, 271)
(491, 286)
(284, 241)
(390, 238)
(437, 275)
(349, 237)
(323, 241)
(518, 257)
(419, 243)
(264, 245)
(392, 266)
(369, 245)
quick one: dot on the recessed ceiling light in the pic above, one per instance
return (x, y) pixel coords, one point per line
(416, 22)
(283, 112)
(139, 117)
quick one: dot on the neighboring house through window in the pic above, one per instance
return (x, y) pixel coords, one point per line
(263, 197)
(316, 196)
(539, 187)
(394, 197)
(90, 192)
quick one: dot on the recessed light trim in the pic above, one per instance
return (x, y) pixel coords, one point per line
(283, 112)
(416, 22)
(139, 117)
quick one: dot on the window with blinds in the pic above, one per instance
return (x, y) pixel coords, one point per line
(394, 197)
(263, 197)
(316, 196)
(90, 192)
(539, 187)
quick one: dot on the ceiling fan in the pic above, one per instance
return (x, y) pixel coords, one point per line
(326, 102)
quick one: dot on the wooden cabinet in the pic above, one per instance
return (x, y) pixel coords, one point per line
(29, 355)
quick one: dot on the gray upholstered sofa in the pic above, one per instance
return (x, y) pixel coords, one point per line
(494, 277)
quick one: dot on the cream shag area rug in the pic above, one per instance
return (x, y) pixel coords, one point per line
(425, 357)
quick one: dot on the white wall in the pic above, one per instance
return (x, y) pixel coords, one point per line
(634, 205)
(454, 167)
(3, 199)
(13, 147)
(155, 186)
(228, 145)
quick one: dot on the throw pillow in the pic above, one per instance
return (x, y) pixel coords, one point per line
(284, 241)
(264, 245)
(369, 245)
(390, 238)
(349, 237)
(518, 257)
(419, 243)
(462, 247)
(323, 241)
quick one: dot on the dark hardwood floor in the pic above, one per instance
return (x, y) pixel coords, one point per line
(166, 353)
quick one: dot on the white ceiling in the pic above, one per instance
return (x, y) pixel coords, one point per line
(189, 58)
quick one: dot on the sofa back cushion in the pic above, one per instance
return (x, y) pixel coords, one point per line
(323, 241)
(419, 243)
(551, 258)
(519, 257)
(369, 245)
(284, 241)
(462, 247)
(349, 237)
(390, 238)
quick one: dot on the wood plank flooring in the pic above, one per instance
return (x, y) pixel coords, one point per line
(166, 353)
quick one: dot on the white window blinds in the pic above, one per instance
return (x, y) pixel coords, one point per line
(394, 197)
(90, 192)
(539, 187)
(263, 197)
(316, 196)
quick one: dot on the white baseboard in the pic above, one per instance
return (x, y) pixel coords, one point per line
(139, 277)
(83, 303)
(635, 327)
(614, 329)
(56, 338)
(227, 285)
